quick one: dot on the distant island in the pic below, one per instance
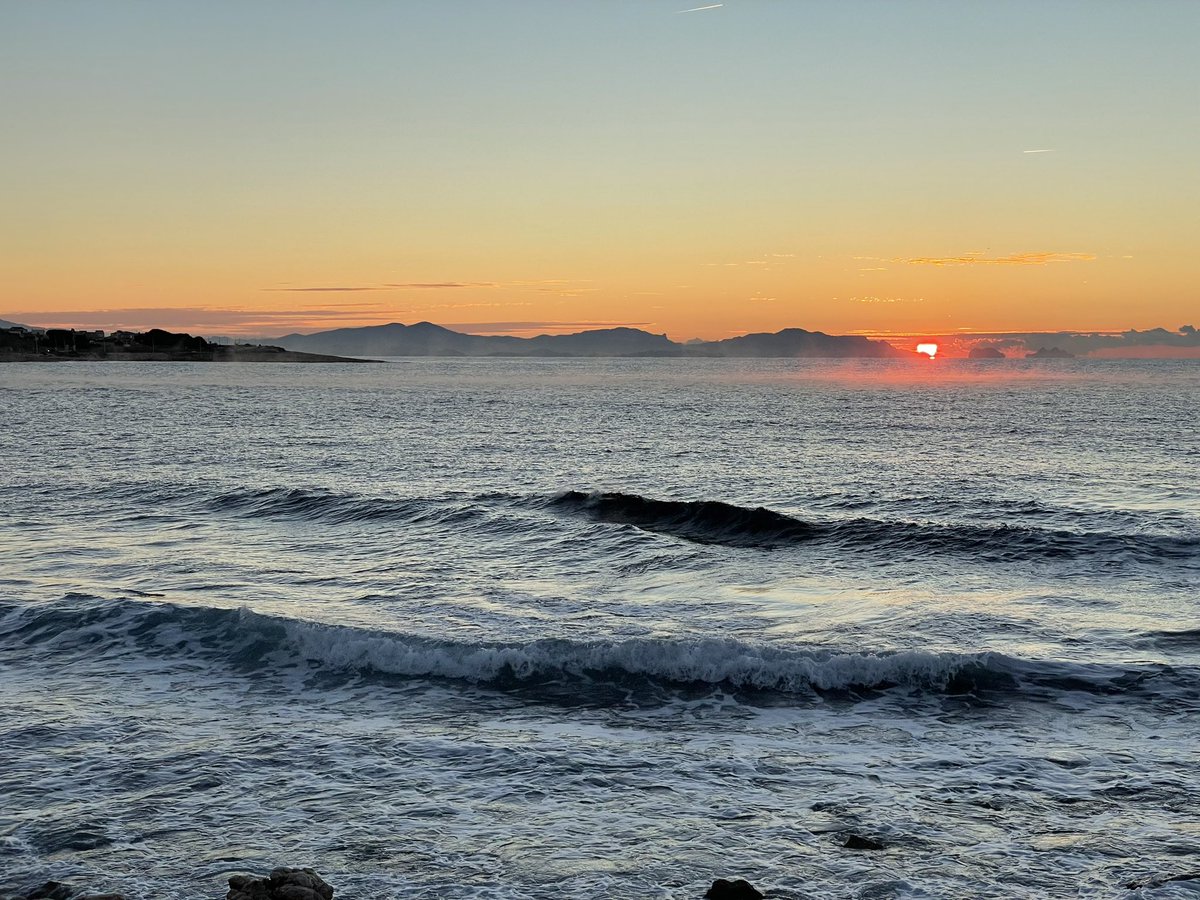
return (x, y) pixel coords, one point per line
(427, 339)
(1050, 353)
(21, 344)
(983, 352)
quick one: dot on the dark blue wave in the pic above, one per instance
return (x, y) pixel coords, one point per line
(713, 522)
(91, 628)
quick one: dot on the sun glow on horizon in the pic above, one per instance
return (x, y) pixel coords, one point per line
(929, 350)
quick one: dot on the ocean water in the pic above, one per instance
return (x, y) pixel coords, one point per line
(602, 628)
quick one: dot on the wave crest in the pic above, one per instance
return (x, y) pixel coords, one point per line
(702, 521)
(715, 522)
(250, 641)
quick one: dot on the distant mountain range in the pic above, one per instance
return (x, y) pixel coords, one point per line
(427, 339)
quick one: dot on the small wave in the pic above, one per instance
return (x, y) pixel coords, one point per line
(702, 521)
(253, 642)
(1184, 638)
(334, 508)
(1002, 542)
(699, 521)
(714, 522)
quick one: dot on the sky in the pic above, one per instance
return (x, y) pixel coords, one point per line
(246, 167)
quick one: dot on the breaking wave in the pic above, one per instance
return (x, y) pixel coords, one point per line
(251, 642)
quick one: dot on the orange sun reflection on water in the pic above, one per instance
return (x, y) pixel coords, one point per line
(929, 350)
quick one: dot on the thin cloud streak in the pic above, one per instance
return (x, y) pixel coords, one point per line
(701, 8)
(307, 290)
(543, 284)
(1039, 151)
(410, 285)
(1016, 259)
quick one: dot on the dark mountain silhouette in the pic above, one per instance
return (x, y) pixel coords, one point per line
(796, 342)
(421, 339)
(605, 342)
(427, 339)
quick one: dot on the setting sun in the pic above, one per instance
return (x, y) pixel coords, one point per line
(929, 350)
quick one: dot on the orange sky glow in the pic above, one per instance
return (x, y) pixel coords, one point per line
(880, 169)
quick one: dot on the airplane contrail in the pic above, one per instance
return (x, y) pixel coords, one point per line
(699, 8)
(1039, 151)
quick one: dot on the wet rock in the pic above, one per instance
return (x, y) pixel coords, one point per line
(282, 884)
(52, 890)
(1159, 882)
(56, 890)
(858, 842)
(741, 889)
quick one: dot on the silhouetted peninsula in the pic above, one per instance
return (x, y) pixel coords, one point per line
(20, 344)
(427, 339)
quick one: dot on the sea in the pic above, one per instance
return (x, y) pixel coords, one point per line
(602, 628)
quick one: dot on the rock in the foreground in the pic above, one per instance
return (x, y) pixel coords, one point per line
(733, 890)
(281, 884)
(858, 842)
(1159, 882)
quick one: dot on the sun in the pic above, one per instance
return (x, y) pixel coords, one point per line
(929, 350)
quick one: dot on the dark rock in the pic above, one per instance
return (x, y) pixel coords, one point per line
(1159, 882)
(282, 884)
(741, 889)
(56, 890)
(858, 842)
(247, 887)
(52, 890)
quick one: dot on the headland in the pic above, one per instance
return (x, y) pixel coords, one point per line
(20, 344)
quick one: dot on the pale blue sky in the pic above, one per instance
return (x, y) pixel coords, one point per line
(552, 138)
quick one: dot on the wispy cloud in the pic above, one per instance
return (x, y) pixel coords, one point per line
(873, 299)
(438, 285)
(1015, 259)
(546, 285)
(390, 286)
(336, 290)
(1039, 151)
(702, 8)
(767, 259)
